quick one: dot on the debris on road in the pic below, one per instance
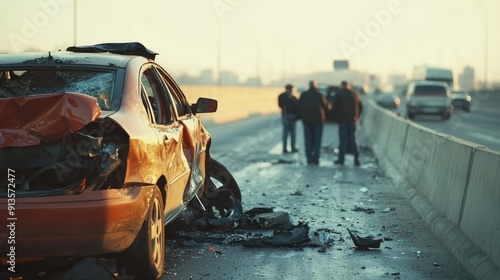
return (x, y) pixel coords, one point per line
(298, 234)
(259, 227)
(364, 242)
(272, 220)
(363, 208)
(385, 210)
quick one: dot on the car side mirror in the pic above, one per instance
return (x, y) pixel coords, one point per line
(204, 105)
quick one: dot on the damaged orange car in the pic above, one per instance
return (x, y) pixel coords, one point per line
(99, 150)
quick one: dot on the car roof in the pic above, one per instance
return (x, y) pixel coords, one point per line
(108, 54)
(30, 59)
(65, 57)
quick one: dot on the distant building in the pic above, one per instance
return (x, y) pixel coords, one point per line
(252, 82)
(466, 78)
(186, 79)
(207, 77)
(228, 78)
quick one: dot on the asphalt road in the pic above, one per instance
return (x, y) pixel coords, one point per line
(324, 197)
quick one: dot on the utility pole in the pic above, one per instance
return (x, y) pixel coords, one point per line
(486, 32)
(74, 22)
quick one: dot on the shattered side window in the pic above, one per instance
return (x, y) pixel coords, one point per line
(98, 84)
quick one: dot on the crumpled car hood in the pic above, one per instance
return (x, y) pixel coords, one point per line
(28, 120)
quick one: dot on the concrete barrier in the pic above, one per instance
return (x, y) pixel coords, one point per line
(387, 131)
(453, 184)
(394, 147)
(481, 213)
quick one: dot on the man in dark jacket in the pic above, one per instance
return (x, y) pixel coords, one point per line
(347, 108)
(289, 115)
(313, 106)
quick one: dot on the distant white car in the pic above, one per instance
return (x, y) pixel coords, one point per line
(428, 98)
(461, 99)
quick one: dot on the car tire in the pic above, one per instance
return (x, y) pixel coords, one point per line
(144, 259)
(218, 177)
(411, 116)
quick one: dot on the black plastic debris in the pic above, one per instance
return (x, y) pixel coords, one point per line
(297, 235)
(257, 227)
(275, 220)
(130, 48)
(364, 242)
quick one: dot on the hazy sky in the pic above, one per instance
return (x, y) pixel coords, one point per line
(273, 38)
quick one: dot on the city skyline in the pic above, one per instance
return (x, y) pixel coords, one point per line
(463, 80)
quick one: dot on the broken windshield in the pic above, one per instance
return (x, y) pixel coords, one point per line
(98, 84)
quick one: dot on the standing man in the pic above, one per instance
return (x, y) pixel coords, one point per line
(313, 106)
(347, 107)
(289, 116)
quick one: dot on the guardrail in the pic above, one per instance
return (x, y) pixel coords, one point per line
(454, 184)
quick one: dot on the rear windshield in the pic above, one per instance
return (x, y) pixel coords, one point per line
(98, 84)
(430, 90)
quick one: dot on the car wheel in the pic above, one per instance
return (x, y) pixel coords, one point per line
(221, 194)
(411, 116)
(146, 256)
(218, 177)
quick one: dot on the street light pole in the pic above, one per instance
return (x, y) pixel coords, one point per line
(219, 52)
(74, 23)
(486, 32)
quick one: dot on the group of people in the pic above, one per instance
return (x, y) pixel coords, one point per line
(311, 107)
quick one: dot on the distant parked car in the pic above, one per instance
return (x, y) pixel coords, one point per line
(388, 100)
(329, 91)
(428, 98)
(461, 99)
(102, 150)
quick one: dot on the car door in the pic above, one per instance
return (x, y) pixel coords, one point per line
(173, 164)
(195, 137)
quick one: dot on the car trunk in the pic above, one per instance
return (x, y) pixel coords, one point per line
(58, 144)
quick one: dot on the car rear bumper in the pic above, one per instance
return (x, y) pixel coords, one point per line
(429, 110)
(461, 103)
(94, 222)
